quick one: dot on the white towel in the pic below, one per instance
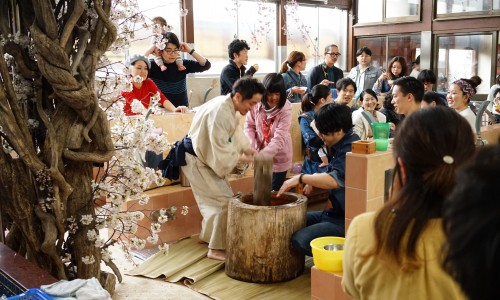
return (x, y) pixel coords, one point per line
(80, 289)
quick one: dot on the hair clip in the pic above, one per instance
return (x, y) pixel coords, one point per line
(448, 159)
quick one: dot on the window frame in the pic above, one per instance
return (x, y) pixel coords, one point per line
(466, 15)
(494, 41)
(390, 20)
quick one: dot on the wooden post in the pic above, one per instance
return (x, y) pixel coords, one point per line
(262, 180)
(258, 245)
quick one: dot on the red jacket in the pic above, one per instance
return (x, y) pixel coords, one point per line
(143, 94)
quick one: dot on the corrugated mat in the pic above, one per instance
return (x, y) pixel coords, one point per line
(186, 261)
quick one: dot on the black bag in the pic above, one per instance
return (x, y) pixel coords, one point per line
(176, 158)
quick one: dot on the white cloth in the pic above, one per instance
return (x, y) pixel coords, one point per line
(470, 116)
(361, 125)
(491, 98)
(218, 142)
(80, 289)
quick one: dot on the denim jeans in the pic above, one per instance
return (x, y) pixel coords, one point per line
(319, 224)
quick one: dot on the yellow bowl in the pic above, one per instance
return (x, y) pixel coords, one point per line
(327, 260)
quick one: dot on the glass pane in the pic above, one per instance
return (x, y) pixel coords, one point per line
(142, 36)
(402, 8)
(302, 31)
(370, 11)
(462, 6)
(214, 31)
(406, 46)
(496, 4)
(256, 25)
(377, 46)
(464, 57)
(333, 30)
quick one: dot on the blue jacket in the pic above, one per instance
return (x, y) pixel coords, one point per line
(292, 79)
(336, 169)
(312, 143)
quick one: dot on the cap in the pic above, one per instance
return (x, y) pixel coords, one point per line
(135, 57)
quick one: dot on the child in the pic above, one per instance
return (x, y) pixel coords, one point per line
(160, 27)
(321, 151)
(323, 157)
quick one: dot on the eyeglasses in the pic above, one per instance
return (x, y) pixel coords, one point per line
(333, 54)
(170, 51)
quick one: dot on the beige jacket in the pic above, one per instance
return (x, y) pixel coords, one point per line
(369, 278)
(218, 139)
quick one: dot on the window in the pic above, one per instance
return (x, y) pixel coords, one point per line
(311, 28)
(385, 48)
(464, 57)
(461, 7)
(387, 11)
(220, 21)
(151, 9)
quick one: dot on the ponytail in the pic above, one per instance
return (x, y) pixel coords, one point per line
(306, 103)
(284, 67)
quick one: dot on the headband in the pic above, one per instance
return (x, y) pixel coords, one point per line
(466, 87)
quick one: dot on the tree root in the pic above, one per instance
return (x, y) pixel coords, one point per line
(48, 245)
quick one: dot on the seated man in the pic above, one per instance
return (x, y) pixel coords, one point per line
(334, 124)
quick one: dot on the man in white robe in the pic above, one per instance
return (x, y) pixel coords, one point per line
(219, 143)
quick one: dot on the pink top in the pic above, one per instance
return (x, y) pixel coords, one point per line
(270, 134)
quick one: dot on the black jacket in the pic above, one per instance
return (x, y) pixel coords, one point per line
(320, 72)
(230, 74)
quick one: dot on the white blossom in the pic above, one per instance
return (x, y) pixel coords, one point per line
(164, 248)
(138, 243)
(86, 219)
(162, 219)
(155, 227)
(92, 234)
(185, 210)
(153, 239)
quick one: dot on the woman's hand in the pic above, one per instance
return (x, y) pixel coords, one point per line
(298, 90)
(382, 77)
(181, 109)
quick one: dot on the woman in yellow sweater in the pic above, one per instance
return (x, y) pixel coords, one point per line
(396, 253)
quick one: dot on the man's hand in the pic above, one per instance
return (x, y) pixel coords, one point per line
(248, 155)
(184, 47)
(256, 67)
(290, 183)
(326, 82)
